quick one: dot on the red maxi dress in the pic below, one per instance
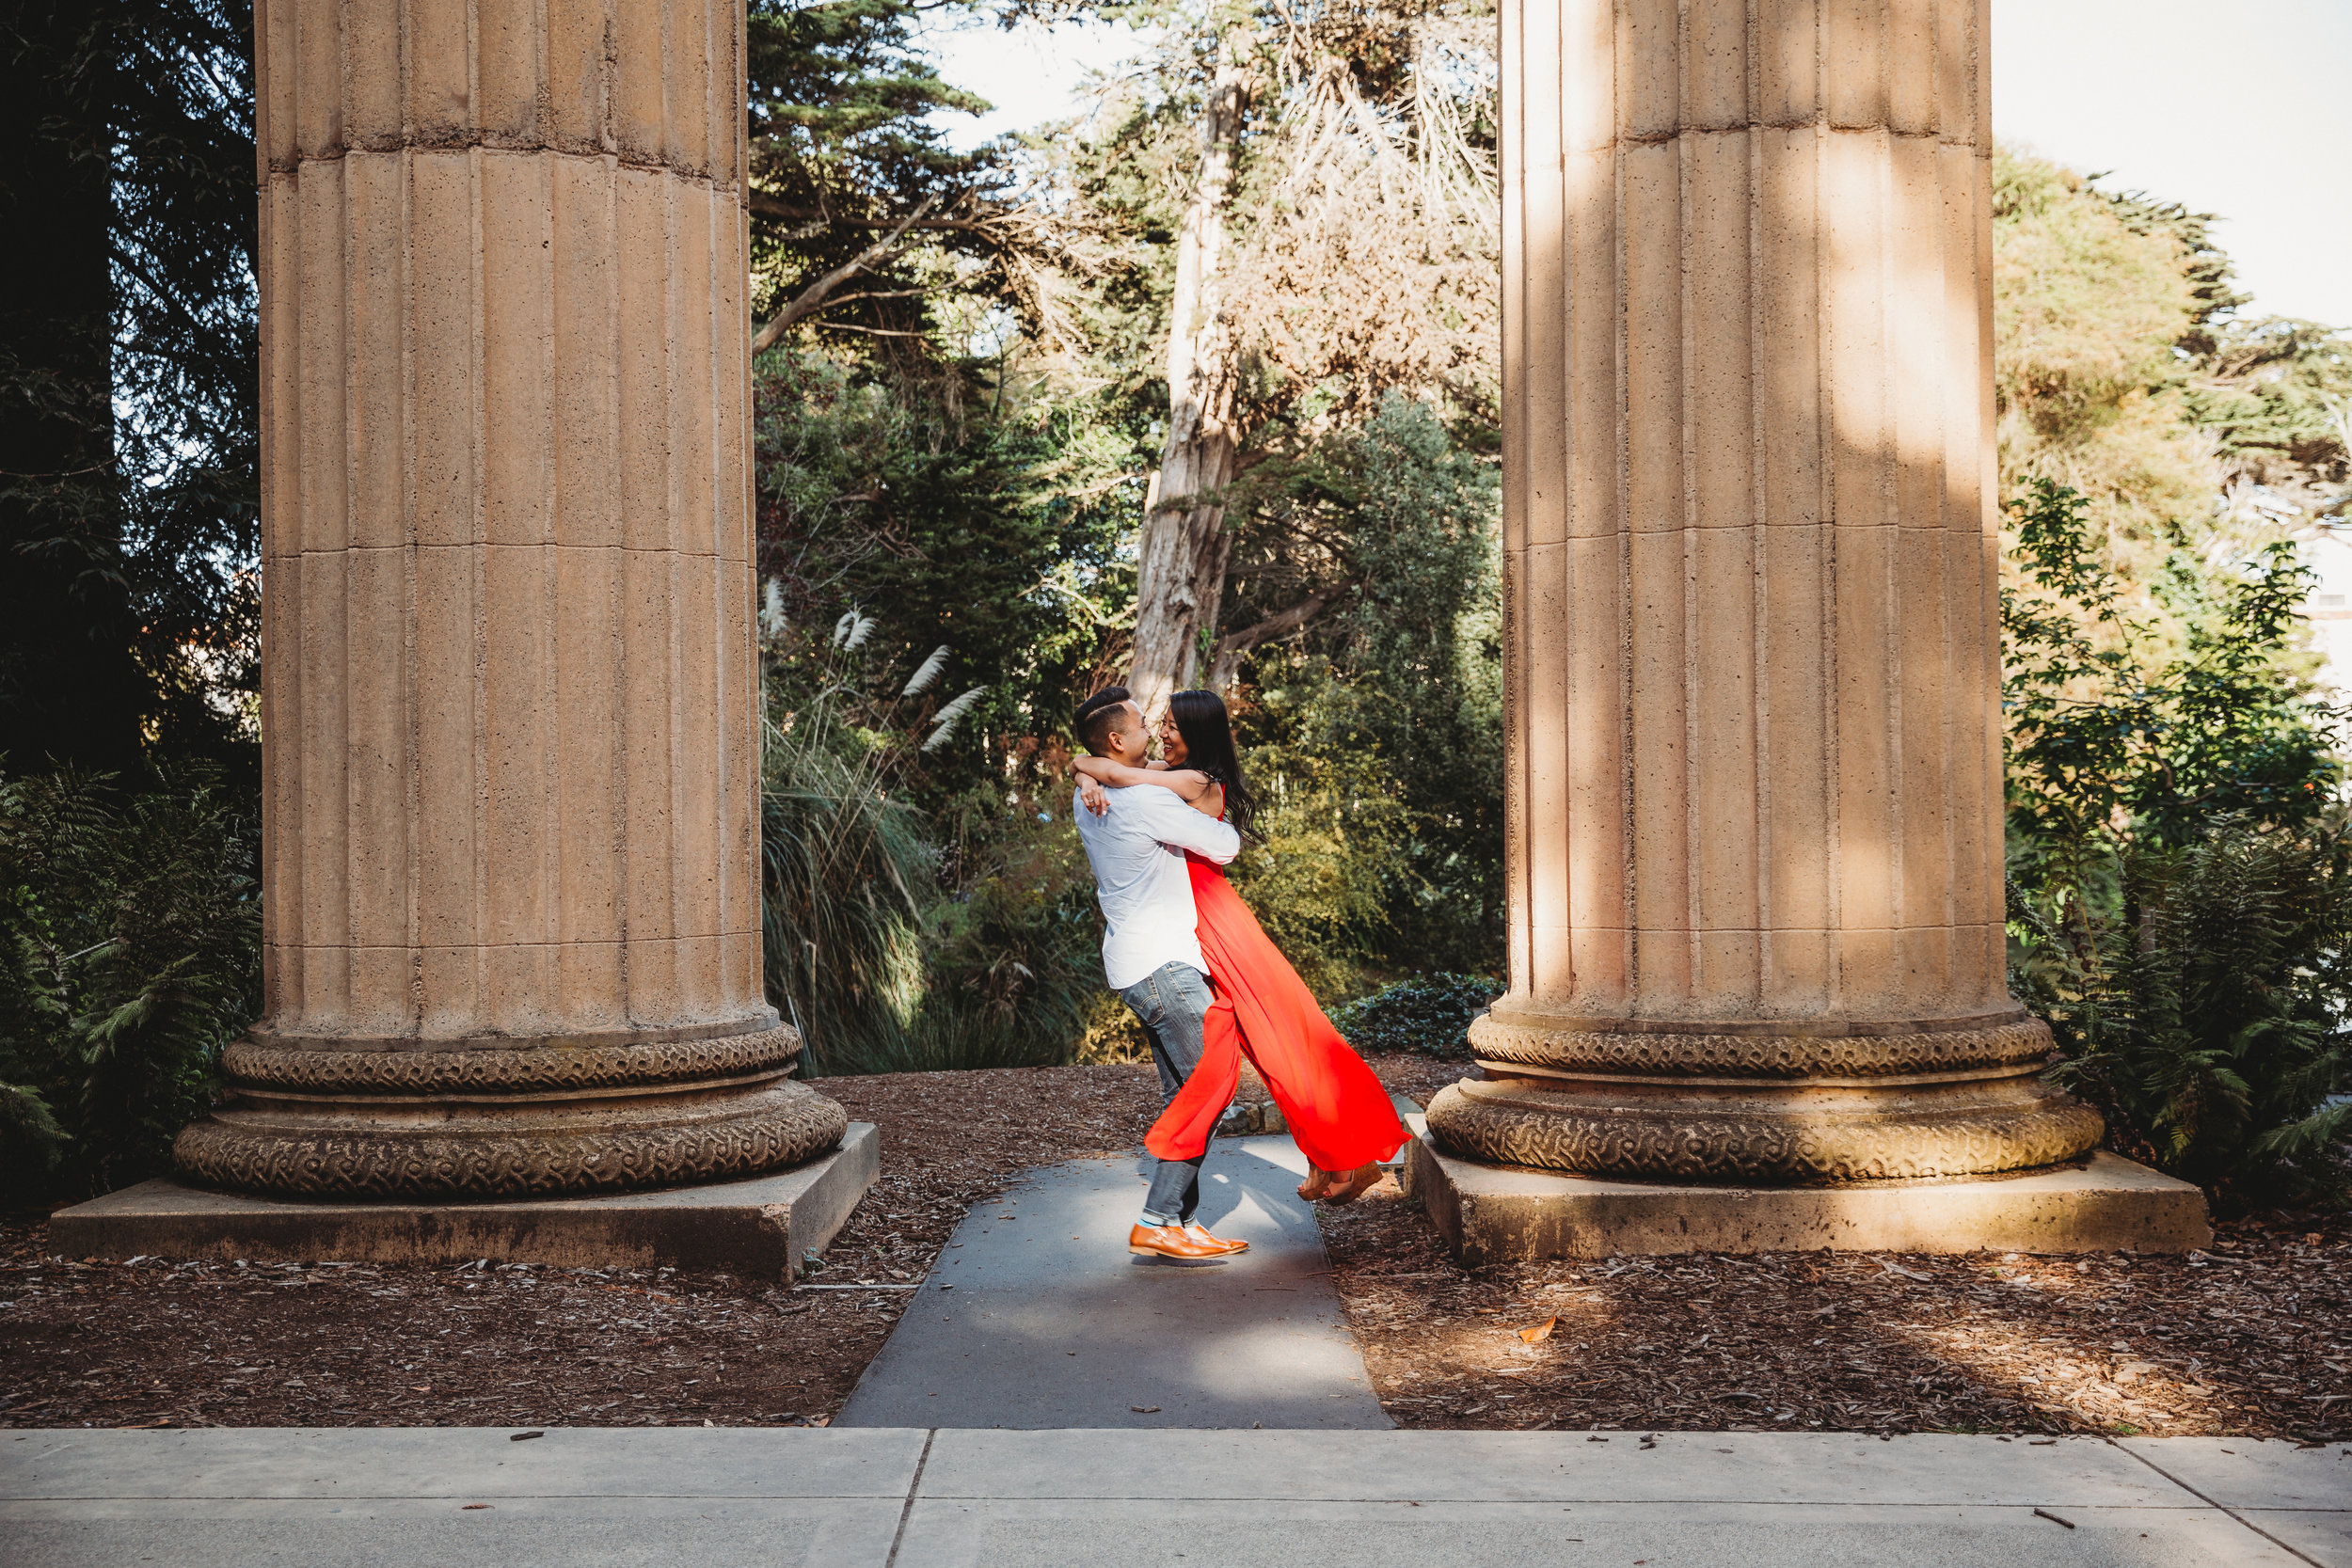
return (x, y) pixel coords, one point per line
(1336, 1110)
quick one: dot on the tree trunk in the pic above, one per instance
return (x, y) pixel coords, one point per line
(1182, 551)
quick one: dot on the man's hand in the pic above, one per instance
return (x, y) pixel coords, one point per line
(1094, 796)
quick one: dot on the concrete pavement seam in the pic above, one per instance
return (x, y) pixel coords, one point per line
(1101, 1497)
(2209, 1502)
(1588, 1502)
(444, 1497)
(914, 1487)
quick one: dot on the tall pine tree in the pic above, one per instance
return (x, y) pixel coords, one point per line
(128, 509)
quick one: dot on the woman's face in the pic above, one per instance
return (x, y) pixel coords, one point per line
(1173, 748)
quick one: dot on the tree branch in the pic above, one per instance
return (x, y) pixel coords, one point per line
(1236, 646)
(811, 299)
(771, 207)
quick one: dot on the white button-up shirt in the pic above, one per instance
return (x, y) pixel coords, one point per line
(1138, 851)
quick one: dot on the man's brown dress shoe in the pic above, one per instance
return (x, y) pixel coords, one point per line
(1168, 1240)
(1201, 1233)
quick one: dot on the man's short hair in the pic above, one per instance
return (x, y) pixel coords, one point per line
(1097, 716)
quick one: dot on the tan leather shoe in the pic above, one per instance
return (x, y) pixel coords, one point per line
(1317, 1183)
(1201, 1233)
(1168, 1240)
(1355, 1185)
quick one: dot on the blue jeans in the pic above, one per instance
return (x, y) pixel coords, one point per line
(1170, 1002)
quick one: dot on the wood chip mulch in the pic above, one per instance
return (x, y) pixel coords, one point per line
(2253, 1339)
(2249, 1340)
(204, 1344)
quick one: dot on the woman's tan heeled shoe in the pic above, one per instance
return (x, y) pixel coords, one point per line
(1317, 1183)
(1355, 1185)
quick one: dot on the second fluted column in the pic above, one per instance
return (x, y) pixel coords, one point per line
(1755, 767)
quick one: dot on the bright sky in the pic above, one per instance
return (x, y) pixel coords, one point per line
(1032, 73)
(2238, 108)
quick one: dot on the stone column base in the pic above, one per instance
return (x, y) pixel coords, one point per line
(763, 1228)
(1491, 1214)
(510, 1118)
(1765, 1134)
(1764, 1101)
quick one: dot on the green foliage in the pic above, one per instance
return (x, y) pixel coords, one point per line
(129, 425)
(1378, 731)
(995, 532)
(2087, 305)
(847, 873)
(845, 144)
(899, 940)
(1329, 873)
(2181, 902)
(2176, 909)
(1428, 1014)
(2277, 397)
(186, 383)
(130, 955)
(2124, 371)
(844, 93)
(1014, 953)
(2105, 737)
(2195, 992)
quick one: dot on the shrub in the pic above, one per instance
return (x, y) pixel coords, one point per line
(1013, 964)
(899, 940)
(1377, 733)
(1429, 1014)
(2199, 1007)
(1330, 867)
(2110, 733)
(130, 955)
(848, 866)
(2180, 905)
(846, 873)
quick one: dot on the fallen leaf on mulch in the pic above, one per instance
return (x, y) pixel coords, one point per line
(1541, 1331)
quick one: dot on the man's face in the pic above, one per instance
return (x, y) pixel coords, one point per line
(1127, 736)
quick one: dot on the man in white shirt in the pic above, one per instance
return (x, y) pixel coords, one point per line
(1151, 952)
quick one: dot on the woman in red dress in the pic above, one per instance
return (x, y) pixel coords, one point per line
(1335, 1108)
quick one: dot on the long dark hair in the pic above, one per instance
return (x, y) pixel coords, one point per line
(1208, 732)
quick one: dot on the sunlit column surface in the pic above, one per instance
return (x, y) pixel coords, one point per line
(509, 702)
(1754, 758)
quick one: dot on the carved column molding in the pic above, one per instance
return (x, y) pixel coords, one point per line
(1754, 751)
(509, 706)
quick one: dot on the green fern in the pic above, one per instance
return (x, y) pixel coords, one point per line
(130, 955)
(2199, 1007)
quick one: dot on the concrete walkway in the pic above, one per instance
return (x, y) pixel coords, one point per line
(1038, 1316)
(897, 1499)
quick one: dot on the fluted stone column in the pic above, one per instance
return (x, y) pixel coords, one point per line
(1755, 744)
(509, 708)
